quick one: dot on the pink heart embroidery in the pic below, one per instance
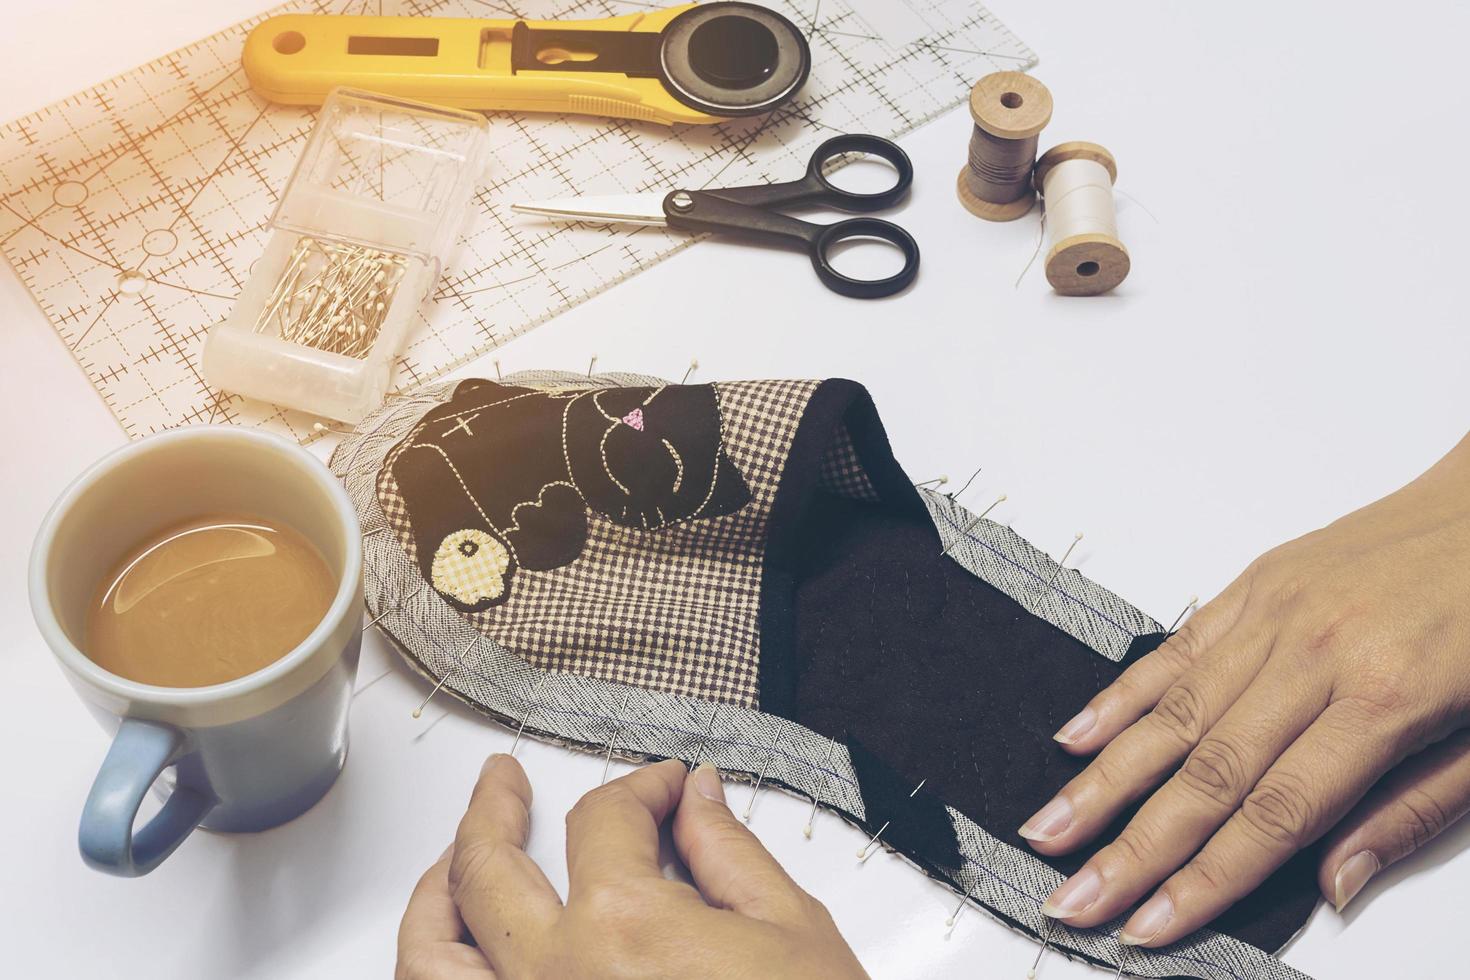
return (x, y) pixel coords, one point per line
(635, 419)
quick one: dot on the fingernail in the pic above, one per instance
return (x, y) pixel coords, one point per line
(447, 851)
(1148, 921)
(1048, 822)
(1077, 727)
(1075, 896)
(492, 762)
(1352, 876)
(707, 782)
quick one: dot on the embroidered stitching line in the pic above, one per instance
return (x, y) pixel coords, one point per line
(970, 537)
(460, 480)
(994, 553)
(538, 502)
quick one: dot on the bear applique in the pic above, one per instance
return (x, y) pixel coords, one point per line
(500, 478)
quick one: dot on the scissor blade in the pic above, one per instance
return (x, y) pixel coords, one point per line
(622, 209)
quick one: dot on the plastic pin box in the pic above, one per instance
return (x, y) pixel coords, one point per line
(372, 211)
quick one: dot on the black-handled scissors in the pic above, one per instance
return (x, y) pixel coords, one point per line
(755, 212)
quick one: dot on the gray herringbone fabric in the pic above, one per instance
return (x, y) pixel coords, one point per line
(589, 713)
(1065, 599)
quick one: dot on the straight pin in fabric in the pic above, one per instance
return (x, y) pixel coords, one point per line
(964, 531)
(459, 664)
(1045, 939)
(961, 491)
(955, 915)
(937, 482)
(320, 427)
(761, 776)
(498, 375)
(591, 364)
(392, 609)
(1065, 555)
(1123, 955)
(617, 728)
(868, 848)
(376, 530)
(811, 818)
(693, 366)
(704, 739)
(1193, 602)
(532, 703)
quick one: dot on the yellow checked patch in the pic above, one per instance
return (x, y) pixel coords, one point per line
(470, 566)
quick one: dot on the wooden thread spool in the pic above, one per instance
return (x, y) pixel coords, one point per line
(1009, 108)
(1076, 182)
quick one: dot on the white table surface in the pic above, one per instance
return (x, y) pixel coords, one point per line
(1291, 344)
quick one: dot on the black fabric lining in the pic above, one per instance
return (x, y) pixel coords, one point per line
(836, 403)
(944, 677)
(909, 817)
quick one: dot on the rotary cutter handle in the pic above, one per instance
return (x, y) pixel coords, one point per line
(689, 64)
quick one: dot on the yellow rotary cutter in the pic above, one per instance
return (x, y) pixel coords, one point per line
(697, 63)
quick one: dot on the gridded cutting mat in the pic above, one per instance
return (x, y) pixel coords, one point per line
(133, 211)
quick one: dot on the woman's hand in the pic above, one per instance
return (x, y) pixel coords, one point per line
(485, 909)
(1272, 717)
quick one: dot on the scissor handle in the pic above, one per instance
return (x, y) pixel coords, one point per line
(710, 211)
(815, 188)
(845, 200)
(830, 236)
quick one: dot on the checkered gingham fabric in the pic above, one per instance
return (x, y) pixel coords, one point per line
(841, 472)
(675, 609)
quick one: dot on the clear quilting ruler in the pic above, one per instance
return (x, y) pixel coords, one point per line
(134, 210)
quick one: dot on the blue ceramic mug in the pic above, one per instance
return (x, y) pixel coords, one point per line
(244, 755)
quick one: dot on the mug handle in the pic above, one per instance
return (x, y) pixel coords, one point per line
(139, 753)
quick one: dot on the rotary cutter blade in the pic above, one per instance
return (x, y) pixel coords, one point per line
(689, 64)
(733, 59)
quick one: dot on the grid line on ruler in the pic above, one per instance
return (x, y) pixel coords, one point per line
(165, 178)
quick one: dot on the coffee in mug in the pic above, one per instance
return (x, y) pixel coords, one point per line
(201, 589)
(208, 600)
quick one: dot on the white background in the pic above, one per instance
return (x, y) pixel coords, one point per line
(1291, 344)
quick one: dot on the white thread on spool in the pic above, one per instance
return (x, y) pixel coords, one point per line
(1081, 198)
(1076, 182)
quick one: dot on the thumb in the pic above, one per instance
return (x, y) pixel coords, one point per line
(1406, 810)
(731, 868)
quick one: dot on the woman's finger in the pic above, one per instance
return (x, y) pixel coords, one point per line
(1141, 686)
(1406, 810)
(732, 869)
(1309, 788)
(1197, 799)
(501, 894)
(429, 937)
(431, 916)
(612, 832)
(1146, 753)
